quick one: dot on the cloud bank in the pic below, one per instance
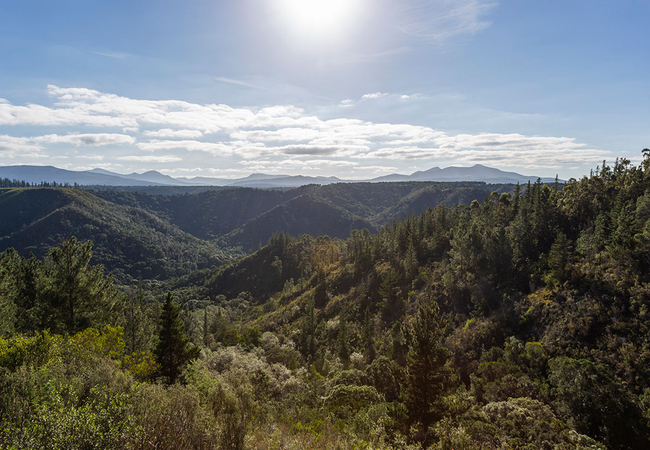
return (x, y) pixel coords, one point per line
(272, 136)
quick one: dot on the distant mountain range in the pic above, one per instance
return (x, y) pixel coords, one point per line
(101, 177)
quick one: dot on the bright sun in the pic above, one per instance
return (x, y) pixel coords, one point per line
(319, 18)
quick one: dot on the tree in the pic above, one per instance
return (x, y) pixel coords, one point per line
(598, 405)
(388, 292)
(79, 294)
(558, 260)
(308, 331)
(368, 340)
(138, 326)
(428, 378)
(411, 262)
(9, 260)
(7, 315)
(174, 349)
(344, 343)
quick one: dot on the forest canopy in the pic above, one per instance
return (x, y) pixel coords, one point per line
(516, 321)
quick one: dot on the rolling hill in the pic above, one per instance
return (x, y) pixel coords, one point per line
(165, 234)
(246, 217)
(128, 241)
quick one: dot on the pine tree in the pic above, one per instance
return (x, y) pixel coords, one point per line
(558, 259)
(78, 294)
(174, 349)
(428, 378)
(138, 327)
(411, 262)
(308, 331)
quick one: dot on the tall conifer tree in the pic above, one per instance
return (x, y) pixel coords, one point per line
(428, 378)
(174, 349)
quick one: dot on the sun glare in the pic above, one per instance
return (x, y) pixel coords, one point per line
(319, 18)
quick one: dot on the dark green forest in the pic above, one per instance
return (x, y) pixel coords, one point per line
(156, 233)
(514, 319)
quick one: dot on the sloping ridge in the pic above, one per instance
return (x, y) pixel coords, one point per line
(431, 195)
(304, 214)
(126, 239)
(49, 174)
(205, 215)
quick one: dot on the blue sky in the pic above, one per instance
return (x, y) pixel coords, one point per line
(353, 88)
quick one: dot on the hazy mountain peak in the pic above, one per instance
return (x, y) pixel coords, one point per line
(37, 174)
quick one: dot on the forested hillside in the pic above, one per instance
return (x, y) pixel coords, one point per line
(130, 242)
(248, 217)
(159, 232)
(518, 322)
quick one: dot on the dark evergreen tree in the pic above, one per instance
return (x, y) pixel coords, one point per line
(174, 349)
(428, 377)
(77, 295)
(399, 347)
(558, 259)
(308, 331)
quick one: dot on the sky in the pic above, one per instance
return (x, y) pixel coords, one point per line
(351, 88)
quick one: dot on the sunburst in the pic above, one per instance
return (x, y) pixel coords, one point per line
(322, 19)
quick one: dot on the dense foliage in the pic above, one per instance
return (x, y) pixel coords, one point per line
(248, 217)
(161, 232)
(521, 322)
(128, 241)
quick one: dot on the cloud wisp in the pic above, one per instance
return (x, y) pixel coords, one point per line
(436, 23)
(373, 95)
(239, 83)
(115, 55)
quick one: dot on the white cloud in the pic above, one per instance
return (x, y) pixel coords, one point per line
(168, 133)
(398, 153)
(373, 95)
(87, 107)
(44, 116)
(498, 149)
(332, 162)
(214, 148)
(280, 135)
(380, 169)
(11, 147)
(410, 96)
(151, 159)
(91, 140)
